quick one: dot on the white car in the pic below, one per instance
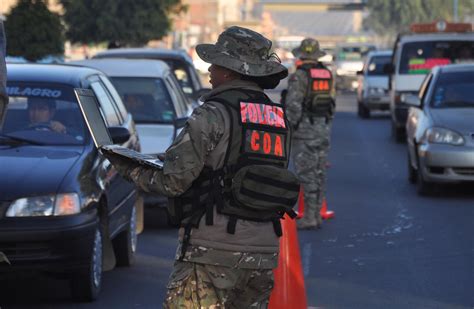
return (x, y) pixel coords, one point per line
(153, 96)
(440, 128)
(372, 91)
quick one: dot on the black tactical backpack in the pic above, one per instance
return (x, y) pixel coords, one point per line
(318, 100)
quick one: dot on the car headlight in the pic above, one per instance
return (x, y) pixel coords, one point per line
(376, 91)
(50, 205)
(443, 136)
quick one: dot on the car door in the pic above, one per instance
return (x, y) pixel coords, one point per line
(416, 120)
(119, 192)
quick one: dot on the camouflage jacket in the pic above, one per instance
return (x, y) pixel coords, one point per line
(203, 142)
(296, 96)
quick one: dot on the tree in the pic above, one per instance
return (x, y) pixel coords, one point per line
(391, 17)
(127, 22)
(33, 31)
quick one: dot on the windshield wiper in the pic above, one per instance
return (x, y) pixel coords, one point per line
(15, 140)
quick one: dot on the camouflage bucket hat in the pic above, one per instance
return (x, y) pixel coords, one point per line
(308, 49)
(244, 51)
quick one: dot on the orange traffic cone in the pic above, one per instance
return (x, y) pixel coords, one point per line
(289, 290)
(325, 213)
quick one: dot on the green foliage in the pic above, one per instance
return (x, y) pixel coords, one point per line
(391, 17)
(128, 22)
(33, 32)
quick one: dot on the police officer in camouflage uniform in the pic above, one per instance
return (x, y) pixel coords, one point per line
(312, 128)
(222, 259)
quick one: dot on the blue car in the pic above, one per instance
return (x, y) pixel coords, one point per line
(63, 207)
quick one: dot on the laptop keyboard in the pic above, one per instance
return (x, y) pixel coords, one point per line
(133, 153)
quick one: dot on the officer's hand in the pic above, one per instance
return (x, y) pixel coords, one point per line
(121, 164)
(161, 156)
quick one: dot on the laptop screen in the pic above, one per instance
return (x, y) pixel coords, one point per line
(95, 122)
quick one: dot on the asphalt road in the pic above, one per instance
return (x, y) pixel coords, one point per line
(386, 248)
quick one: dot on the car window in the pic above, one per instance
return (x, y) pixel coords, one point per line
(454, 89)
(421, 57)
(147, 99)
(376, 65)
(184, 80)
(424, 87)
(116, 97)
(44, 113)
(106, 106)
(183, 102)
(180, 101)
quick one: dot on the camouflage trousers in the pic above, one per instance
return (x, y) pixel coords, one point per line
(310, 163)
(195, 285)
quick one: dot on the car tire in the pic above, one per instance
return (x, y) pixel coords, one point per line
(86, 284)
(363, 111)
(423, 187)
(398, 134)
(412, 173)
(125, 244)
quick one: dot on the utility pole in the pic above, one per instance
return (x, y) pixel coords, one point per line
(455, 10)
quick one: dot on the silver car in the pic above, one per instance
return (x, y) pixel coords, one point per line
(440, 128)
(372, 91)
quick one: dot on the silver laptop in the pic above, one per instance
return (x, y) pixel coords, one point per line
(100, 134)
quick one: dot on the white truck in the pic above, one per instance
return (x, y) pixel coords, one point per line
(415, 54)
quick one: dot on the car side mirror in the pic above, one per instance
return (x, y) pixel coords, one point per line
(119, 135)
(388, 69)
(410, 99)
(180, 122)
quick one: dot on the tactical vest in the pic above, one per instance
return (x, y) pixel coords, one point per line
(318, 101)
(254, 183)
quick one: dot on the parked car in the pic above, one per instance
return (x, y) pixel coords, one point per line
(349, 58)
(151, 94)
(416, 53)
(372, 91)
(179, 61)
(63, 207)
(440, 128)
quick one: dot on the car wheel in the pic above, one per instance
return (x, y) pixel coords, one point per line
(423, 187)
(412, 174)
(125, 244)
(363, 111)
(398, 134)
(86, 284)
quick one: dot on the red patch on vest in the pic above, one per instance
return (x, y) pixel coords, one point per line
(320, 73)
(267, 143)
(262, 114)
(321, 85)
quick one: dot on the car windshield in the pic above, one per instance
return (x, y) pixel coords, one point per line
(454, 90)
(182, 75)
(377, 64)
(421, 57)
(353, 53)
(42, 113)
(147, 99)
